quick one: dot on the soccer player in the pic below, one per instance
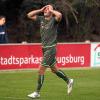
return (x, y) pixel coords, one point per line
(48, 31)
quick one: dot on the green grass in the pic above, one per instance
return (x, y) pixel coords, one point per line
(16, 85)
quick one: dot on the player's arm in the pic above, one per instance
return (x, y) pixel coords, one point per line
(57, 14)
(33, 14)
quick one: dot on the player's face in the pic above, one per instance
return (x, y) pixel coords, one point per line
(2, 21)
(47, 13)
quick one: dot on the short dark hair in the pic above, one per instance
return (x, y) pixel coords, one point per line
(1, 16)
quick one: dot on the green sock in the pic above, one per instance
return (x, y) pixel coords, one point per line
(40, 82)
(62, 75)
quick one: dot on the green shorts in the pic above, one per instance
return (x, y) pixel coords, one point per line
(49, 54)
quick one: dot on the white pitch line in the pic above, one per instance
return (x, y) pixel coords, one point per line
(18, 71)
(14, 98)
(35, 70)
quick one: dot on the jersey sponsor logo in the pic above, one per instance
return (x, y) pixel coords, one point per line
(44, 26)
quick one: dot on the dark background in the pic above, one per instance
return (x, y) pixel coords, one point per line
(20, 28)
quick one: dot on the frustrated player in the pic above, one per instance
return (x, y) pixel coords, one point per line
(48, 31)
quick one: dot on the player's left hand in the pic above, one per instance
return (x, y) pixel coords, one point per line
(50, 8)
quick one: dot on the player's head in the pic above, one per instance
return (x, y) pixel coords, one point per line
(47, 12)
(2, 20)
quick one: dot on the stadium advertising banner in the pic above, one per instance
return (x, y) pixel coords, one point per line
(73, 55)
(30, 55)
(95, 54)
(20, 56)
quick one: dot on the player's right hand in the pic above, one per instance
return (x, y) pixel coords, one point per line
(42, 9)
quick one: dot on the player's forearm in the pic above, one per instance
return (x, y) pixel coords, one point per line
(56, 14)
(33, 13)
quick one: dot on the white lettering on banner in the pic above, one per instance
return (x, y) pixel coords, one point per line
(71, 59)
(20, 61)
(36, 60)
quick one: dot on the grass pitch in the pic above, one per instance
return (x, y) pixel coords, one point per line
(17, 85)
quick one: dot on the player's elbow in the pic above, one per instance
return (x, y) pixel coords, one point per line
(60, 16)
(28, 15)
(31, 17)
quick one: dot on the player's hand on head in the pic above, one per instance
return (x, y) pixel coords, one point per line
(50, 7)
(43, 8)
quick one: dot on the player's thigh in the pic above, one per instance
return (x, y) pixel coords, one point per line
(49, 56)
(54, 69)
(42, 70)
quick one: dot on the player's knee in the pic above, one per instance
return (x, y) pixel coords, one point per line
(53, 70)
(41, 71)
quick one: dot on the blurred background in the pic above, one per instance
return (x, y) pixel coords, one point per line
(81, 20)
